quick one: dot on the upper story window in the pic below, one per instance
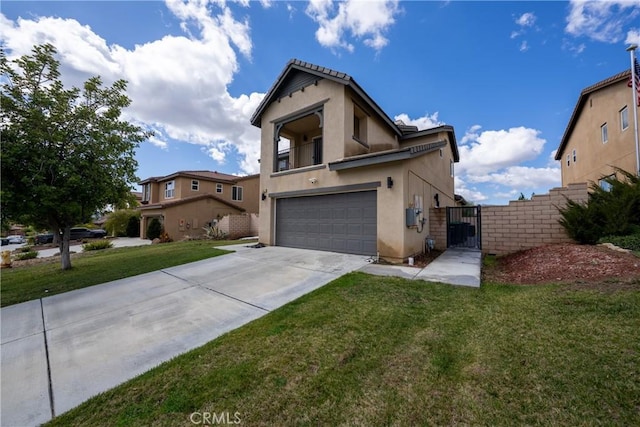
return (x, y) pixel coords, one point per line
(236, 193)
(359, 125)
(605, 133)
(575, 157)
(568, 160)
(169, 189)
(451, 169)
(624, 118)
(219, 188)
(195, 185)
(146, 192)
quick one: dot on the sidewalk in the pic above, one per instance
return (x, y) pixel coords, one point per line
(456, 266)
(118, 242)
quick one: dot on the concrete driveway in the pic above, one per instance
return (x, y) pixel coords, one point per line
(61, 350)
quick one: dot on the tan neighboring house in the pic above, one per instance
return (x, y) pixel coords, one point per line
(337, 174)
(599, 135)
(186, 201)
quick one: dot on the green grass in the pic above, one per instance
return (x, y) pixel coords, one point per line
(367, 350)
(31, 282)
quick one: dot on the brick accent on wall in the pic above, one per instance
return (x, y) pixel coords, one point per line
(237, 226)
(520, 224)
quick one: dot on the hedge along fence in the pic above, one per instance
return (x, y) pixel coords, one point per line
(521, 224)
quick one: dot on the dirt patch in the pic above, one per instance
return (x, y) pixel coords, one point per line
(566, 263)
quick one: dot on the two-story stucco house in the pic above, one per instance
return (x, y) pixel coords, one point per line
(186, 201)
(337, 174)
(599, 135)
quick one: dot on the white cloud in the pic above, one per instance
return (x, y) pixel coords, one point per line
(362, 20)
(601, 20)
(524, 46)
(491, 150)
(470, 194)
(425, 122)
(633, 37)
(178, 84)
(526, 19)
(520, 177)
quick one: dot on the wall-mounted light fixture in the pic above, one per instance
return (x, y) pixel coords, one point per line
(264, 195)
(313, 180)
(389, 182)
(437, 200)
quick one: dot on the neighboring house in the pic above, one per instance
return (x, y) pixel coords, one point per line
(338, 174)
(599, 135)
(186, 201)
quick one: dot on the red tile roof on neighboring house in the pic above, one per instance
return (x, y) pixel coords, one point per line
(189, 200)
(202, 174)
(582, 99)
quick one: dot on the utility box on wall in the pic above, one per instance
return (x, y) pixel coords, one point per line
(412, 215)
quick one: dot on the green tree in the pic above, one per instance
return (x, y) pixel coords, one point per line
(65, 152)
(133, 226)
(154, 229)
(117, 222)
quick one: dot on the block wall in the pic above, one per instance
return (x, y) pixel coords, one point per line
(237, 226)
(519, 225)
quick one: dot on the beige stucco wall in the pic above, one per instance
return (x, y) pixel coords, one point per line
(187, 219)
(423, 176)
(595, 159)
(250, 185)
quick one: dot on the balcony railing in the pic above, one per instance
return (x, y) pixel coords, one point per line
(299, 156)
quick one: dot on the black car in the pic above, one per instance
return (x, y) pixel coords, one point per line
(43, 238)
(78, 233)
(5, 241)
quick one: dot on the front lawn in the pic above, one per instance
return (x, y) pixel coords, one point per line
(31, 282)
(367, 350)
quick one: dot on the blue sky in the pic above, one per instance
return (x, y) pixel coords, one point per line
(505, 75)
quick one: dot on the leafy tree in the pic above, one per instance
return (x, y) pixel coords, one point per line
(133, 226)
(154, 229)
(117, 222)
(65, 152)
(613, 212)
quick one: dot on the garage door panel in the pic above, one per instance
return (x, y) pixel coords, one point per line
(338, 222)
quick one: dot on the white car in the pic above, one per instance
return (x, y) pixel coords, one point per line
(15, 240)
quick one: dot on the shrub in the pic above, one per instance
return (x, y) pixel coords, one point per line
(97, 245)
(607, 213)
(631, 242)
(214, 233)
(154, 229)
(27, 255)
(133, 226)
(117, 224)
(25, 249)
(164, 238)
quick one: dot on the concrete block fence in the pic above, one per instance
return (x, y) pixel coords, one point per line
(521, 224)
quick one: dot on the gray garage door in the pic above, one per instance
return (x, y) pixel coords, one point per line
(334, 222)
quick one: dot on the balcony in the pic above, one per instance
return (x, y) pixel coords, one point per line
(299, 156)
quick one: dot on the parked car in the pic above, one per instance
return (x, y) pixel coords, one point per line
(78, 233)
(4, 241)
(43, 238)
(16, 239)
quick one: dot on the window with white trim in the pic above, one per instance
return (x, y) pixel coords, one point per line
(451, 168)
(604, 184)
(169, 189)
(624, 118)
(236, 193)
(219, 188)
(146, 192)
(195, 185)
(575, 157)
(568, 160)
(605, 133)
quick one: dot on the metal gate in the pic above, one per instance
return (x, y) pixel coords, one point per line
(464, 228)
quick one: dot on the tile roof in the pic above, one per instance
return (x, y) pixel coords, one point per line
(202, 174)
(191, 199)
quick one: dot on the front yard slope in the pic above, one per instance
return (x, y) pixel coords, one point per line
(368, 350)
